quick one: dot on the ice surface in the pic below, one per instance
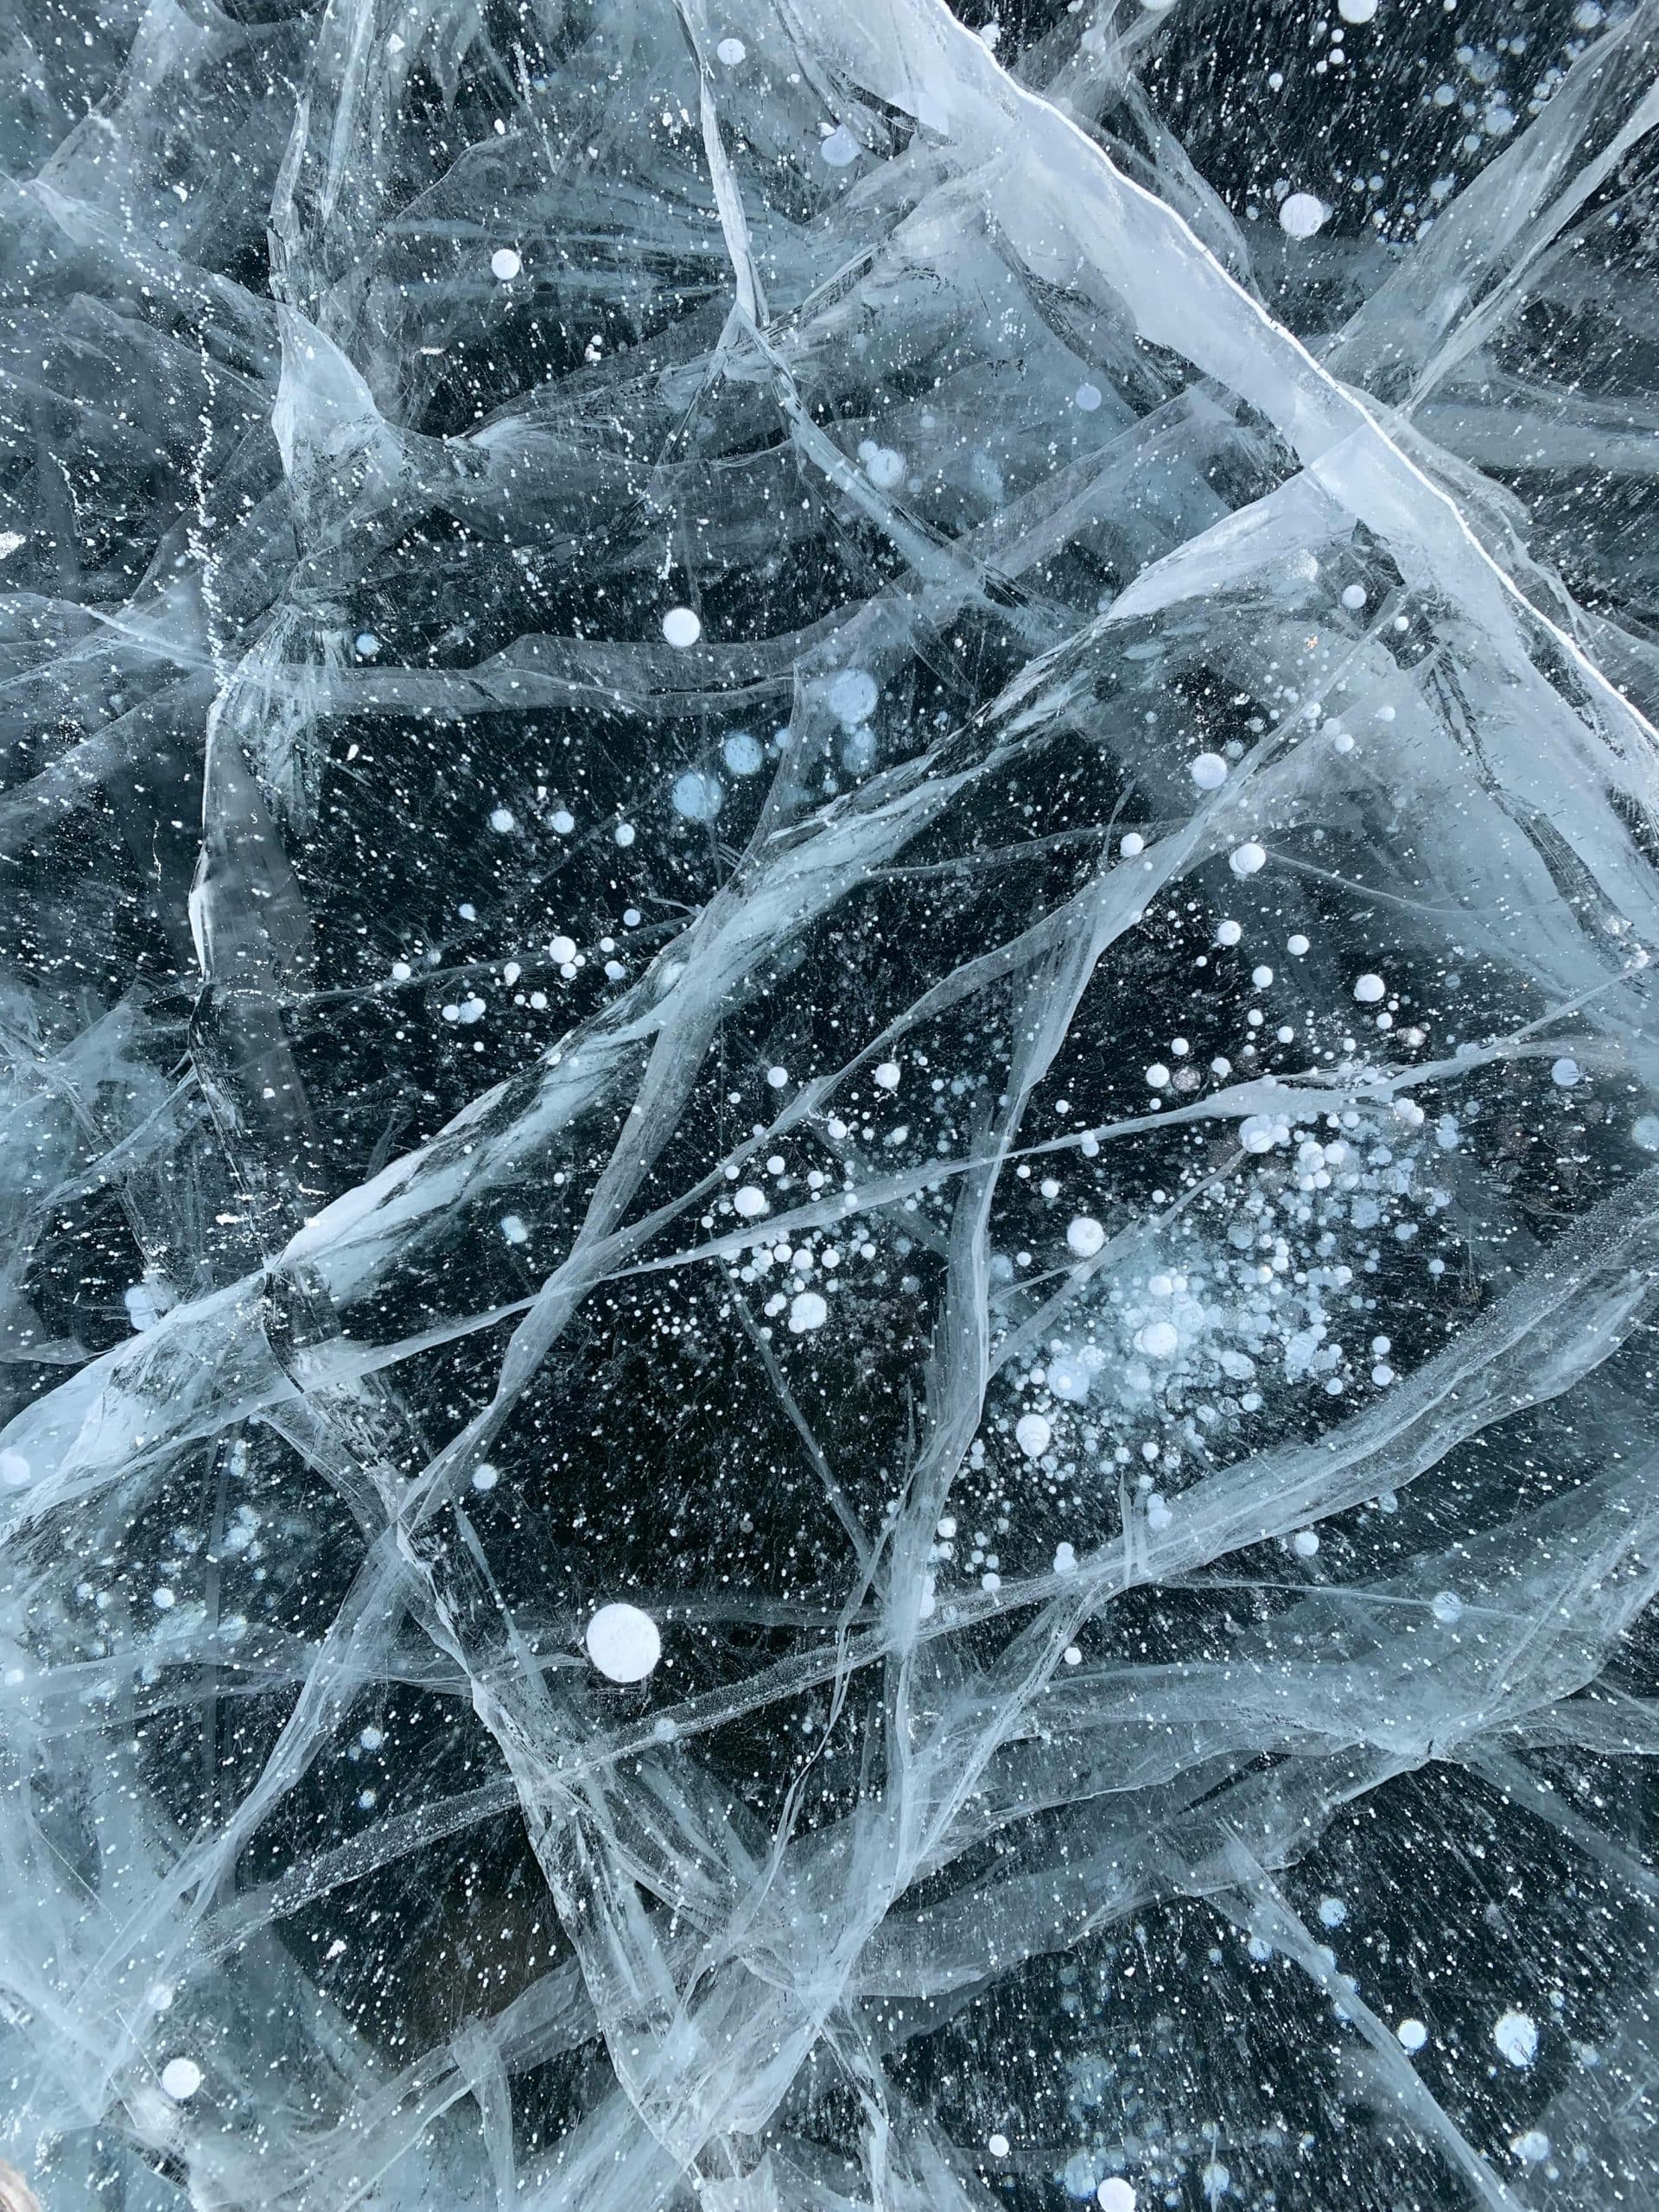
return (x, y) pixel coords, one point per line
(831, 1085)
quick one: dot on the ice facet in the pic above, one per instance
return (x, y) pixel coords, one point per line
(831, 1083)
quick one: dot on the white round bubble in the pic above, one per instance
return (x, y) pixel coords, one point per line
(1565, 1072)
(1412, 2035)
(1087, 396)
(1355, 11)
(681, 626)
(697, 796)
(731, 51)
(839, 149)
(1115, 2194)
(884, 467)
(852, 695)
(1645, 1130)
(14, 1469)
(888, 1075)
(1032, 1434)
(1368, 989)
(505, 264)
(1353, 597)
(1306, 1543)
(180, 2078)
(1516, 2035)
(1159, 1340)
(806, 1311)
(1247, 859)
(623, 1642)
(1086, 1236)
(742, 753)
(502, 820)
(1301, 215)
(997, 2146)
(1208, 772)
(750, 1202)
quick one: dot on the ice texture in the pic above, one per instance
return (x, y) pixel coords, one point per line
(830, 1104)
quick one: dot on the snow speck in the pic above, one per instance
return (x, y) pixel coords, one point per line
(1368, 989)
(623, 1642)
(1412, 2035)
(1086, 1236)
(807, 1311)
(180, 2078)
(1208, 772)
(697, 796)
(505, 264)
(1516, 2035)
(839, 149)
(1032, 1434)
(732, 52)
(1302, 214)
(682, 627)
(1249, 859)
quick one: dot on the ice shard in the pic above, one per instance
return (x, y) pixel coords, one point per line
(831, 1104)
